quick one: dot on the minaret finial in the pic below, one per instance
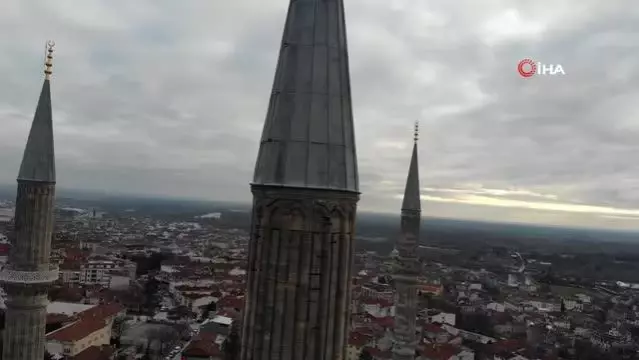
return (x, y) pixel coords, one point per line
(416, 133)
(48, 63)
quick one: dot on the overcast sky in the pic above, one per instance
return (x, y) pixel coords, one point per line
(169, 97)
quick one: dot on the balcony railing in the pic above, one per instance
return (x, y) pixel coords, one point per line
(29, 277)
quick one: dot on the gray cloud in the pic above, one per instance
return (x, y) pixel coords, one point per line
(169, 98)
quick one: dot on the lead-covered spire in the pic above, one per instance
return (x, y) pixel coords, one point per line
(308, 138)
(412, 199)
(38, 161)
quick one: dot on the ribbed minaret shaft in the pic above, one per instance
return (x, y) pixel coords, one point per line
(28, 273)
(407, 269)
(305, 192)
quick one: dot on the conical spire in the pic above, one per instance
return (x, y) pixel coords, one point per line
(308, 138)
(38, 161)
(411, 193)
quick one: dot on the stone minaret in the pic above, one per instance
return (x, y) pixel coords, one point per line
(28, 273)
(407, 269)
(305, 192)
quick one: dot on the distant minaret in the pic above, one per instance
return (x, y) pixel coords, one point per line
(407, 269)
(305, 192)
(28, 273)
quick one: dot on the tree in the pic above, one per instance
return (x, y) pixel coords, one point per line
(166, 339)
(147, 351)
(117, 329)
(231, 345)
(365, 355)
(183, 312)
(150, 293)
(162, 336)
(183, 331)
(206, 309)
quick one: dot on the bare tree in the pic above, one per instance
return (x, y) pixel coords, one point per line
(182, 330)
(117, 329)
(161, 338)
(166, 338)
(152, 338)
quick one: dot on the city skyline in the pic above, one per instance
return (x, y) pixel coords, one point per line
(168, 100)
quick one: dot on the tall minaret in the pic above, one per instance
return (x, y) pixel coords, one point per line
(28, 273)
(305, 191)
(407, 268)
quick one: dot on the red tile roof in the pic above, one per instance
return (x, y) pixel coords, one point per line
(230, 302)
(230, 313)
(381, 302)
(77, 330)
(358, 339)
(206, 336)
(431, 288)
(103, 311)
(440, 351)
(95, 353)
(432, 328)
(385, 322)
(202, 348)
(57, 318)
(508, 345)
(379, 354)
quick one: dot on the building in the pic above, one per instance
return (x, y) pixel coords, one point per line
(28, 273)
(203, 347)
(6, 215)
(378, 291)
(98, 270)
(91, 329)
(78, 336)
(407, 268)
(305, 191)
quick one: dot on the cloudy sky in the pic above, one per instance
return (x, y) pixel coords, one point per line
(169, 97)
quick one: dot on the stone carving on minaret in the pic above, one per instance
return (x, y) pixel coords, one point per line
(28, 273)
(407, 269)
(305, 190)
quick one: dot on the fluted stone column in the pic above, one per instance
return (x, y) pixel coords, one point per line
(28, 274)
(25, 323)
(406, 287)
(299, 274)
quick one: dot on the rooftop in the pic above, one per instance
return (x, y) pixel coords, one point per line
(57, 307)
(77, 330)
(222, 320)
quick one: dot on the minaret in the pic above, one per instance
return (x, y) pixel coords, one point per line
(407, 269)
(305, 191)
(28, 273)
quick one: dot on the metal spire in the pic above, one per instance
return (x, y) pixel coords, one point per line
(38, 161)
(411, 193)
(308, 138)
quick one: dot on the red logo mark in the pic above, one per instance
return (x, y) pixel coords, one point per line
(527, 68)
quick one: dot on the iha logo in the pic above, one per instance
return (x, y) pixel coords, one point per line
(527, 68)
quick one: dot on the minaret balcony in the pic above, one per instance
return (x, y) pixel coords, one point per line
(10, 276)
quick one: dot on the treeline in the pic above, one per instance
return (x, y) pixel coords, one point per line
(146, 264)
